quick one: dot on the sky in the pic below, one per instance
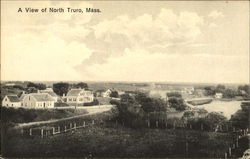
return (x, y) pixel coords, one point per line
(155, 41)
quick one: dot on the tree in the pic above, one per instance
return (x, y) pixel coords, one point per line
(244, 89)
(82, 85)
(60, 88)
(209, 90)
(220, 88)
(215, 118)
(241, 118)
(150, 104)
(30, 84)
(177, 103)
(229, 93)
(114, 94)
(39, 86)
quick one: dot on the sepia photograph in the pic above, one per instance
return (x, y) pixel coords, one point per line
(125, 79)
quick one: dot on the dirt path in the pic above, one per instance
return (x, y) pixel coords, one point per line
(91, 111)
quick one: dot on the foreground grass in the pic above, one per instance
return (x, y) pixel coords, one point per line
(108, 140)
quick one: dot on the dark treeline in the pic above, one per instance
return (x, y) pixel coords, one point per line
(140, 111)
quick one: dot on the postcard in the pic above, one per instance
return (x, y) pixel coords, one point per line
(125, 79)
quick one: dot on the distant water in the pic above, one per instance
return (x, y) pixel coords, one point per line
(227, 107)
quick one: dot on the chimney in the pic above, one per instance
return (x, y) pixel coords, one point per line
(23, 92)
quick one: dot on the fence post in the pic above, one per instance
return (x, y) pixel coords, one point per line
(157, 124)
(53, 130)
(225, 155)
(190, 126)
(84, 124)
(93, 122)
(75, 126)
(186, 148)
(65, 128)
(233, 146)
(59, 129)
(148, 123)
(30, 131)
(70, 125)
(41, 133)
(22, 131)
(229, 151)
(233, 129)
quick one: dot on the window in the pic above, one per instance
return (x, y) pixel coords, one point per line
(74, 99)
(29, 97)
(70, 99)
(6, 99)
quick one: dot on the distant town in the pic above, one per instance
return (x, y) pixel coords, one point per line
(39, 95)
(113, 119)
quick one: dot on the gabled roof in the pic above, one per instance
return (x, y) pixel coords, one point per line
(40, 97)
(53, 94)
(74, 92)
(22, 96)
(13, 98)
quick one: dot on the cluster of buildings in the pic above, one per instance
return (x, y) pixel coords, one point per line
(47, 99)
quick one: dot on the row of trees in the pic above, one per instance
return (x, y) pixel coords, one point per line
(243, 90)
(140, 107)
(63, 88)
(155, 110)
(59, 88)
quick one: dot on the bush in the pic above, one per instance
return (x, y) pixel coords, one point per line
(177, 103)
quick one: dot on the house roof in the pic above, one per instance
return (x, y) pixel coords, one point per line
(22, 96)
(40, 97)
(13, 98)
(53, 94)
(74, 92)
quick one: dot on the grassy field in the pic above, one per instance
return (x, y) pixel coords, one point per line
(110, 140)
(20, 115)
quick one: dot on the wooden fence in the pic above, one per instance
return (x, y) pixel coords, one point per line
(54, 130)
(241, 133)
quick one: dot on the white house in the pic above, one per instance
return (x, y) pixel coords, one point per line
(37, 100)
(11, 101)
(107, 93)
(218, 95)
(78, 97)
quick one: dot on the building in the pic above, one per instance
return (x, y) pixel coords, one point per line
(11, 101)
(218, 95)
(37, 100)
(107, 93)
(51, 93)
(78, 97)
